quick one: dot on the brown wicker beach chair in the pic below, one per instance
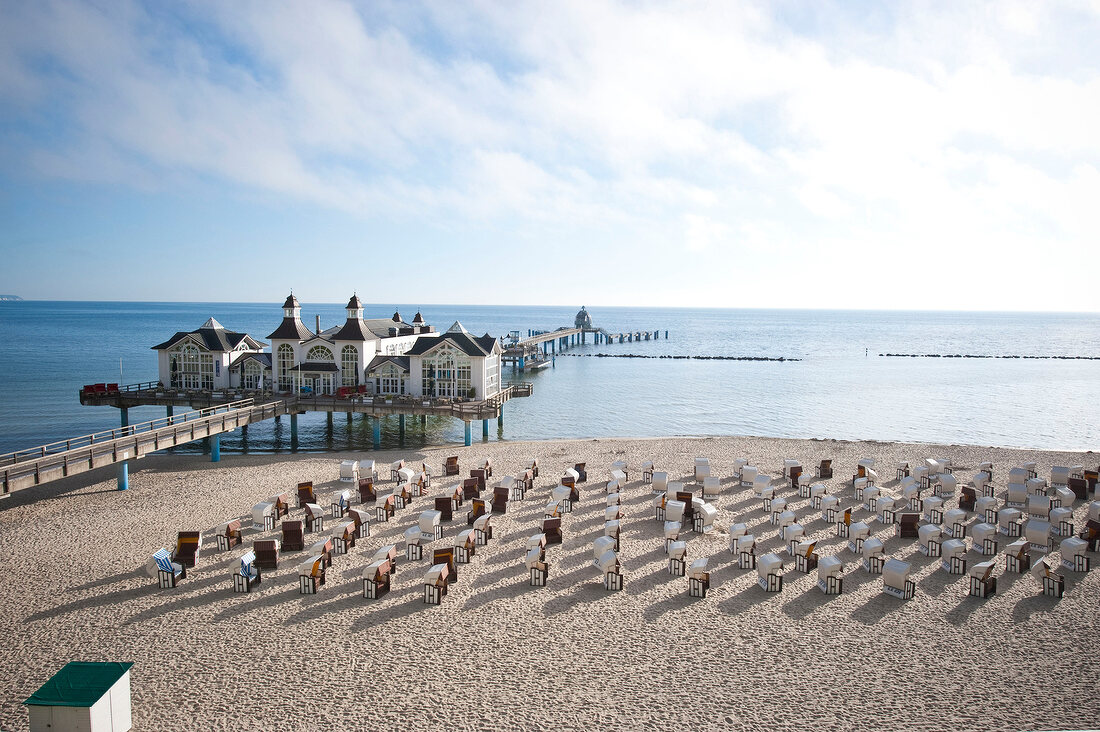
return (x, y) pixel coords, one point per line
(293, 536)
(477, 509)
(305, 494)
(267, 553)
(450, 466)
(552, 528)
(188, 544)
(445, 506)
(366, 490)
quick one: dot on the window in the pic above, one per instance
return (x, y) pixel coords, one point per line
(319, 353)
(192, 369)
(251, 374)
(349, 366)
(285, 366)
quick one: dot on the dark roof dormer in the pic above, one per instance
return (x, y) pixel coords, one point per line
(354, 329)
(418, 319)
(396, 316)
(291, 329)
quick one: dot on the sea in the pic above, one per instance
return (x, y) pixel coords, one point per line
(1026, 380)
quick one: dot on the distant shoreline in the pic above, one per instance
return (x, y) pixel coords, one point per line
(10, 298)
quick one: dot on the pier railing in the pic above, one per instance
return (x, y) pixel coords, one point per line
(75, 443)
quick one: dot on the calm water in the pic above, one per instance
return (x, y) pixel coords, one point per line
(841, 388)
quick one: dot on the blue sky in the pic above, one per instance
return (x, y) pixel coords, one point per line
(776, 154)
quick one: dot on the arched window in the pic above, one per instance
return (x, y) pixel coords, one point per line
(285, 365)
(193, 368)
(349, 366)
(319, 353)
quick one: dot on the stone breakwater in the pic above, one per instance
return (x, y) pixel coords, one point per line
(977, 355)
(695, 358)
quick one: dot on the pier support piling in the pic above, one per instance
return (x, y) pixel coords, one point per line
(124, 415)
(216, 449)
(500, 417)
(467, 423)
(294, 431)
(124, 475)
(206, 446)
(377, 432)
(423, 420)
(401, 426)
(485, 429)
(168, 411)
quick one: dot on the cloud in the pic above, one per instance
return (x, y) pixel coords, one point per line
(751, 125)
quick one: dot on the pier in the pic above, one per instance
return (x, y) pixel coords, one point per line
(538, 346)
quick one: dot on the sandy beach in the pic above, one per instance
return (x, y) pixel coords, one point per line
(499, 654)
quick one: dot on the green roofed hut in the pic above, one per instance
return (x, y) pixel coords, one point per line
(83, 697)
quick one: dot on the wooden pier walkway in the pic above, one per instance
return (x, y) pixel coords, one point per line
(43, 464)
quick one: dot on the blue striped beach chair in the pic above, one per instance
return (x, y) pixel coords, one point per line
(248, 575)
(168, 572)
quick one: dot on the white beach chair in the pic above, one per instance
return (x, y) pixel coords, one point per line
(858, 533)
(784, 520)
(984, 536)
(1038, 535)
(465, 545)
(830, 506)
(537, 567)
(698, 578)
(933, 510)
(1061, 522)
(659, 481)
(982, 581)
(792, 535)
(1036, 486)
(1054, 585)
(1018, 556)
(674, 512)
(263, 516)
(929, 539)
(763, 490)
(376, 579)
(349, 471)
(829, 575)
(248, 574)
(340, 504)
(749, 474)
(703, 516)
(778, 506)
(608, 564)
(600, 546)
(367, 469)
(413, 551)
(1073, 554)
(395, 466)
(647, 471)
(711, 487)
(311, 575)
(1038, 506)
(769, 573)
(737, 530)
(738, 465)
(911, 492)
(903, 470)
(612, 513)
(982, 483)
(611, 528)
(895, 579)
(953, 556)
(955, 523)
(874, 555)
(430, 526)
(746, 551)
(986, 508)
(920, 474)
(1010, 522)
(817, 493)
(623, 467)
(702, 469)
(436, 580)
(886, 507)
(805, 556)
(677, 558)
(870, 496)
(483, 531)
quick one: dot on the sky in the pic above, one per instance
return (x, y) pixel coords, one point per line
(903, 155)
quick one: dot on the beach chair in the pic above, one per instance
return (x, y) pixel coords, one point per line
(248, 574)
(844, 523)
(783, 520)
(873, 555)
(903, 470)
(986, 508)
(263, 516)
(677, 558)
(467, 491)
(609, 566)
(465, 546)
(792, 470)
(569, 478)
(830, 506)
(500, 498)
(367, 469)
(968, 497)
(887, 506)
(582, 475)
(282, 504)
(1016, 495)
(1018, 556)
(311, 575)
(477, 509)
(315, 518)
(777, 508)
(376, 579)
(340, 504)
(805, 558)
(865, 470)
(702, 469)
(386, 509)
(436, 580)
(1038, 535)
(703, 517)
(430, 527)
(1036, 486)
(1038, 507)
(533, 466)
(188, 546)
(984, 536)
(858, 533)
(895, 580)
(802, 482)
(982, 483)
(324, 548)
(1079, 487)
(763, 491)
(769, 573)
(671, 531)
(749, 474)
(659, 481)
(792, 535)
(552, 528)
(537, 567)
(746, 551)
(406, 476)
(611, 528)
(366, 491)
(601, 545)
(906, 525)
(1010, 522)
(403, 495)
(945, 486)
(293, 536)
(688, 500)
(698, 578)
(953, 556)
(930, 540)
(613, 512)
(361, 518)
(736, 531)
(1073, 554)
(824, 470)
(450, 466)
(1062, 497)
(395, 467)
(711, 487)
(267, 553)
(446, 556)
(349, 471)
(674, 512)
(168, 573)
(933, 510)
(414, 552)
(343, 537)
(623, 467)
(305, 494)
(955, 523)
(445, 506)
(982, 582)
(552, 510)
(1091, 534)
(228, 534)
(829, 575)
(524, 483)
(564, 495)
(647, 472)
(483, 532)
(817, 493)
(1061, 522)
(920, 474)
(1054, 585)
